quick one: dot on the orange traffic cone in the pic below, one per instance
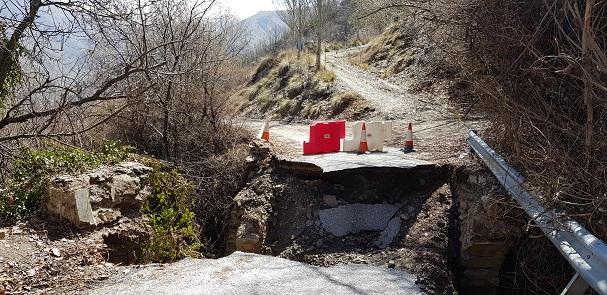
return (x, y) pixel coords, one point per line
(264, 133)
(363, 147)
(409, 140)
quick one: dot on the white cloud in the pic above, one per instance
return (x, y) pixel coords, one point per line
(246, 8)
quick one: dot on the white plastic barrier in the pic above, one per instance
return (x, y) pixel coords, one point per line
(377, 134)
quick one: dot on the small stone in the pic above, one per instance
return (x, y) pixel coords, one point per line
(3, 234)
(126, 270)
(330, 200)
(56, 252)
(391, 264)
(404, 216)
(31, 272)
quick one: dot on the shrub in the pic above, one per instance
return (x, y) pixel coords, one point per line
(341, 101)
(167, 209)
(326, 76)
(23, 193)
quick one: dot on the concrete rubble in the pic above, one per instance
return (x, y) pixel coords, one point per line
(356, 218)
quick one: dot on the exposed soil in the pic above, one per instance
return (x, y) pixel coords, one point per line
(51, 257)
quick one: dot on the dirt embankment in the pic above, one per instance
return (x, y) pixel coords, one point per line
(285, 87)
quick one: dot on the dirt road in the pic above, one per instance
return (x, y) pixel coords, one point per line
(438, 129)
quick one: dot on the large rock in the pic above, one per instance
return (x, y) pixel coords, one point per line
(99, 196)
(249, 216)
(126, 241)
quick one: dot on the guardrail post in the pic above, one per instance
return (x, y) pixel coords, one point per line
(577, 286)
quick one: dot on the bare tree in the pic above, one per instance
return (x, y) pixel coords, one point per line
(43, 85)
(296, 14)
(137, 53)
(323, 12)
(189, 93)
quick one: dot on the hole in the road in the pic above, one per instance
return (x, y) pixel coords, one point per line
(382, 216)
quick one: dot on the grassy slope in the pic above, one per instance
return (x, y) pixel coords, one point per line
(287, 88)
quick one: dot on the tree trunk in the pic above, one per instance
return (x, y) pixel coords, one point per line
(166, 122)
(587, 64)
(9, 52)
(319, 28)
(318, 51)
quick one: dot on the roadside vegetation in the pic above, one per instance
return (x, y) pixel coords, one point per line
(25, 188)
(162, 93)
(537, 71)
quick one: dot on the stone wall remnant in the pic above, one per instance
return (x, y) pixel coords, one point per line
(100, 196)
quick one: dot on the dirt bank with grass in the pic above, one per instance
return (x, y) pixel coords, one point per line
(285, 87)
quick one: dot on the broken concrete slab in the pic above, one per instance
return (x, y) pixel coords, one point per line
(389, 233)
(242, 273)
(354, 218)
(325, 163)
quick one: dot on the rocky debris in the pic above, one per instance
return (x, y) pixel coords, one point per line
(56, 252)
(330, 200)
(100, 196)
(48, 257)
(391, 218)
(125, 241)
(249, 216)
(487, 232)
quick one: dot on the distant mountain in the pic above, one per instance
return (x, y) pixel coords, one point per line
(262, 27)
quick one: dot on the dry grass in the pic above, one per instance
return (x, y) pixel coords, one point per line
(326, 76)
(286, 87)
(342, 101)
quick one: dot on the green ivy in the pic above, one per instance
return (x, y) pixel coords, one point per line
(15, 74)
(23, 193)
(175, 231)
(168, 211)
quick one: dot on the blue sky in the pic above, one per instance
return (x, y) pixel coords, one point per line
(246, 8)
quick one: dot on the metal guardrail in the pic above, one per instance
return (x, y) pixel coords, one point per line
(585, 253)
